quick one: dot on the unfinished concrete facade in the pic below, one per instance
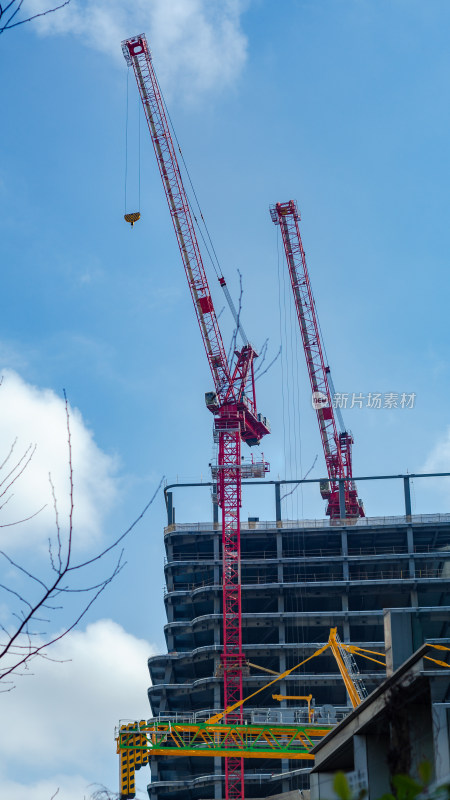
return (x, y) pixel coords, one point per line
(298, 580)
(402, 724)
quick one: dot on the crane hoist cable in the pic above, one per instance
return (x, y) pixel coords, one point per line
(233, 401)
(209, 245)
(340, 489)
(133, 216)
(205, 236)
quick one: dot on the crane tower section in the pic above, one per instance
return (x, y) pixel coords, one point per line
(233, 402)
(337, 446)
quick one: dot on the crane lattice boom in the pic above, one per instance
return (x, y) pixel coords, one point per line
(233, 402)
(138, 56)
(336, 446)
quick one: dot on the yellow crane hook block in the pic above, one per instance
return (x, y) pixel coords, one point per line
(132, 218)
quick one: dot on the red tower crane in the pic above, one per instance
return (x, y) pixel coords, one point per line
(340, 490)
(233, 401)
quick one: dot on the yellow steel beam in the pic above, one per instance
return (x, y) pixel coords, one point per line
(263, 669)
(231, 752)
(349, 685)
(222, 714)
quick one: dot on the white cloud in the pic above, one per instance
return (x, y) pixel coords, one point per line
(69, 787)
(198, 45)
(438, 459)
(37, 416)
(58, 726)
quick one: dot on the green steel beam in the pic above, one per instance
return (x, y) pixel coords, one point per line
(206, 739)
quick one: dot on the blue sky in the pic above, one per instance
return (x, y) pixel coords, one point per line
(340, 104)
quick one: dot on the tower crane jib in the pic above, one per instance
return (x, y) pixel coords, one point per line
(337, 445)
(233, 402)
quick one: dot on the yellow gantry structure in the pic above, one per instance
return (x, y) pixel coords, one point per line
(206, 739)
(137, 741)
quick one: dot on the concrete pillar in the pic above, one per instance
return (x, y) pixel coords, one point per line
(410, 543)
(169, 550)
(360, 754)
(282, 663)
(279, 543)
(217, 697)
(285, 781)
(218, 623)
(321, 786)
(377, 771)
(278, 505)
(168, 672)
(170, 508)
(281, 626)
(407, 491)
(217, 783)
(346, 577)
(403, 634)
(345, 622)
(441, 740)
(344, 551)
(169, 580)
(341, 498)
(169, 611)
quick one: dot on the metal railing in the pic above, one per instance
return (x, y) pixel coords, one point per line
(265, 555)
(314, 577)
(404, 479)
(255, 716)
(316, 524)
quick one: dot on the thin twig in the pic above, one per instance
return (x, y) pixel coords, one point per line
(298, 484)
(259, 374)
(16, 467)
(26, 641)
(11, 450)
(133, 525)
(25, 519)
(238, 320)
(7, 25)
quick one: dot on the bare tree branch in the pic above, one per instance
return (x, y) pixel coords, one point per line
(238, 320)
(11, 450)
(19, 521)
(23, 640)
(15, 6)
(297, 484)
(102, 793)
(258, 373)
(27, 456)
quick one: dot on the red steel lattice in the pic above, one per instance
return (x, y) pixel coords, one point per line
(232, 658)
(336, 447)
(233, 404)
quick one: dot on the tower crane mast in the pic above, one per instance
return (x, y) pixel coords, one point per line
(337, 445)
(233, 402)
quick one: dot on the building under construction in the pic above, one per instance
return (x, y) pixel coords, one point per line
(299, 579)
(249, 602)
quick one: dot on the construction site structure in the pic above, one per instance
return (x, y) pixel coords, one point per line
(189, 737)
(340, 489)
(233, 401)
(240, 595)
(299, 579)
